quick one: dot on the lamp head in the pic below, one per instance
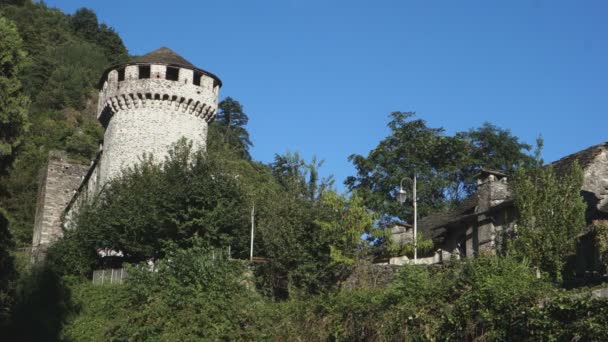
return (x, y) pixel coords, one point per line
(401, 195)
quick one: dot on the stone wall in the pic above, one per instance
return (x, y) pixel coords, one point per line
(149, 115)
(366, 275)
(58, 183)
(85, 192)
(595, 186)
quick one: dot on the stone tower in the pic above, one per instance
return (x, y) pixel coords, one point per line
(150, 103)
(145, 106)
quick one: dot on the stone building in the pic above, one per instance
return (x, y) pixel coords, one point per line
(145, 105)
(478, 225)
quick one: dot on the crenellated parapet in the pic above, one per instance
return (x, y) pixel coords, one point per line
(188, 91)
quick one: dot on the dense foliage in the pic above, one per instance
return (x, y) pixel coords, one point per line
(551, 215)
(228, 130)
(13, 103)
(57, 58)
(7, 269)
(193, 294)
(199, 297)
(445, 165)
(183, 226)
(187, 195)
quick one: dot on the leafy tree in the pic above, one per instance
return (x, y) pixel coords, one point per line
(7, 270)
(229, 127)
(411, 148)
(492, 147)
(299, 226)
(188, 195)
(70, 84)
(13, 103)
(551, 215)
(84, 22)
(445, 165)
(60, 75)
(14, 2)
(343, 222)
(42, 303)
(207, 296)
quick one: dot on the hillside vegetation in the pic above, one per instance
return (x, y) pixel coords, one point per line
(183, 225)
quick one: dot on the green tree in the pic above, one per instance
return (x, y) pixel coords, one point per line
(297, 228)
(195, 293)
(187, 195)
(445, 165)
(7, 269)
(13, 103)
(60, 74)
(84, 22)
(492, 147)
(551, 215)
(230, 125)
(343, 222)
(411, 148)
(14, 2)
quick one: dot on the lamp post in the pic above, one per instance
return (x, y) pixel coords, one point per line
(252, 231)
(401, 196)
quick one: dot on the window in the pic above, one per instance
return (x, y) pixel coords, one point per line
(121, 74)
(144, 71)
(172, 74)
(197, 78)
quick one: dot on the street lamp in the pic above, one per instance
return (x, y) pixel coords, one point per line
(401, 196)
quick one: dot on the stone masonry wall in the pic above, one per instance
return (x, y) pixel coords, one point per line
(85, 192)
(57, 186)
(141, 116)
(596, 183)
(149, 115)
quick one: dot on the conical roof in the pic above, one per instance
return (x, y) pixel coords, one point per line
(162, 55)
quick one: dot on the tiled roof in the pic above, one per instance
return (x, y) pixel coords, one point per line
(584, 158)
(164, 55)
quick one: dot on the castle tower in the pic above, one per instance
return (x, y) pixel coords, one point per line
(148, 104)
(145, 105)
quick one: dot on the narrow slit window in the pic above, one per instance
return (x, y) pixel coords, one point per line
(172, 74)
(121, 74)
(197, 78)
(144, 71)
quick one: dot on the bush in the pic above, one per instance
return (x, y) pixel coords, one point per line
(188, 195)
(191, 294)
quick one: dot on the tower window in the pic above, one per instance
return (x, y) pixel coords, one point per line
(121, 74)
(197, 78)
(144, 71)
(172, 74)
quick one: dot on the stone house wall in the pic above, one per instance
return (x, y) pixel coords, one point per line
(595, 186)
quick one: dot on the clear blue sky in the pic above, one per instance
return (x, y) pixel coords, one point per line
(320, 77)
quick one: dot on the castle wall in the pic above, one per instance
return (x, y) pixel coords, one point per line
(57, 187)
(87, 189)
(145, 109)
(148, 115)
(153, 129)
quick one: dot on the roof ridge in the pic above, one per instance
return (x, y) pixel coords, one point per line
(164, 55)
